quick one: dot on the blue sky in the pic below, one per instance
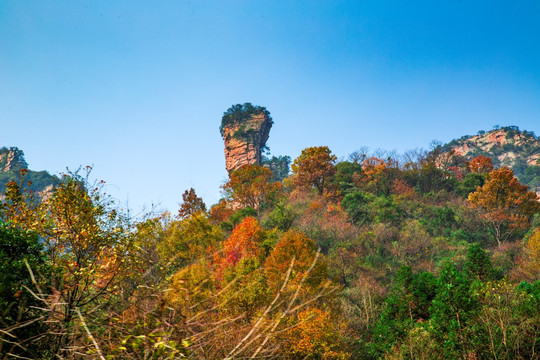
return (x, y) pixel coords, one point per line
(137, 88)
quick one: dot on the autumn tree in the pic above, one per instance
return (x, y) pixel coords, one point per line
(314, 168)
(317, 336)
(187, 240)
(243, 243)
(252, 186)
(481, 165)
(191, 204)
(293, 245)
(505, 203)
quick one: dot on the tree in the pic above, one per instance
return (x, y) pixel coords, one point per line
(243, 243)
(187, 240)
(88, 245)
(314, 168)
(505, 203)
(452, 310)
(316, 336)
(237, 114)
(18, 307)
(481, 165)
(191, 204)
(478, 263)
(252, 185)
(293, 244)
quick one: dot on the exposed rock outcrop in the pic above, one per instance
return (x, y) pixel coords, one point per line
(507, 146)
(12, 162)
(244, 139)
(12, 159)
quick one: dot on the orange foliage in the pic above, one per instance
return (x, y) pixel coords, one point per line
(505, 203)
(400, 187)
(374, 176)
(221, 211)
(481, 165)
(191, 204)
(251, 185)
(293, 244)
(316, 336)
(314, 168)
(243, 243)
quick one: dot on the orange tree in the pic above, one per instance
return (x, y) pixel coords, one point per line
(251, 185)
(481, 165)
(294, 244)
(505, 203)
(191, 204)
(314, 168)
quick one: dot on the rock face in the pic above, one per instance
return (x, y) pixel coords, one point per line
(244, 141)
(12, 159)
(507, 146)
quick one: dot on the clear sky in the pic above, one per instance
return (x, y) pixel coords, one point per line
(137, 88)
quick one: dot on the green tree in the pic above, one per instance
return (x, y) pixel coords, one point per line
(451, 312)
(20, 253)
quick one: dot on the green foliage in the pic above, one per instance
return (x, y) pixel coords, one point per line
(452, 310)
(279, 165)
(281, 217)
(344, 177)
(478, 263)
(407, 304)
(238, 114)
(470, 183)
(241, 214)
(20, 252)
(357, 206)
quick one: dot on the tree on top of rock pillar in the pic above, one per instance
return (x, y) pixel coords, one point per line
(245, 130)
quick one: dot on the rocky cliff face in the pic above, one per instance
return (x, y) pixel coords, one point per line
(12, 159)
(244, 141)
(507, 146)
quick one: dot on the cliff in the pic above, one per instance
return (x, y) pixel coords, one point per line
(507, 146)
(12, 161)
(245, 130)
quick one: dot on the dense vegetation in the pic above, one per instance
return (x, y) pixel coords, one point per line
(36, 181)
(521, 152)
(371, 258)
(238, 115)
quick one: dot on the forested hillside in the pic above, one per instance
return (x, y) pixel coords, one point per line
(435, 257)
(12, 162)
(506, 146)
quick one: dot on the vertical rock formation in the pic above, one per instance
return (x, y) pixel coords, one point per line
(245, 130)
(12, 159)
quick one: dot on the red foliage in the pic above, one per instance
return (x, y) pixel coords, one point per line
(481, 165)
(243, 242)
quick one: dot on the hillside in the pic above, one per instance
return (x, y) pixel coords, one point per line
(12, 161)
(364, 259)
(507, 146)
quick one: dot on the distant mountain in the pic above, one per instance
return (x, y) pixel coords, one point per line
(12, 161)
(507, 146)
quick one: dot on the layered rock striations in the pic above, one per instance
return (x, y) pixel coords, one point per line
(13, 167)
(12, 159)
(245, 130)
